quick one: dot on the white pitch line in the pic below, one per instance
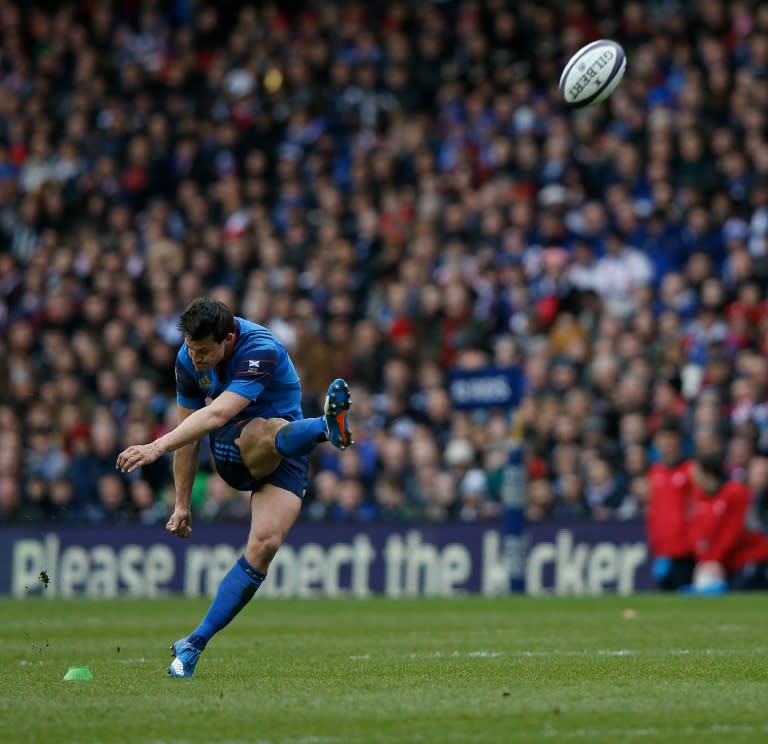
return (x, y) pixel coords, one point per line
(620, 733)
(572, 653)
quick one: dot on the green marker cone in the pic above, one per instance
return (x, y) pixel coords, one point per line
(76, 673)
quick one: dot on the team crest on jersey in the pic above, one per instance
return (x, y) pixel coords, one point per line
(204, 382)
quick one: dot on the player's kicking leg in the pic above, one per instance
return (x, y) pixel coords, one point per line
(263, 442)
(337, 403)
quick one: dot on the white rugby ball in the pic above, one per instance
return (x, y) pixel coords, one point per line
(593, 73)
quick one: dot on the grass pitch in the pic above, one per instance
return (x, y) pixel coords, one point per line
(646, 668)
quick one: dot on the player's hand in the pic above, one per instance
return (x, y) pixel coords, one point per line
(180, 523)
(136, 456)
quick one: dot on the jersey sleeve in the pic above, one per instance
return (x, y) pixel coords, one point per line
(188, 393)
(252, 371)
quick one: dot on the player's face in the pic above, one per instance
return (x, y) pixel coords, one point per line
(206, 353)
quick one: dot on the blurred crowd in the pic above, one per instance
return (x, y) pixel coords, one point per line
(395, 189)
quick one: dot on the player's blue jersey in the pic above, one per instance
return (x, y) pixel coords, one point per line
(259, 369)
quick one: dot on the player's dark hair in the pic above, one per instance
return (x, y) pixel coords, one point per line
(205, 317)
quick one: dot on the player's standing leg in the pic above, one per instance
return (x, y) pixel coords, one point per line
(273, 512)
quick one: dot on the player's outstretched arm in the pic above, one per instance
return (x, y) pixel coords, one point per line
(185, 462)
(193, 428)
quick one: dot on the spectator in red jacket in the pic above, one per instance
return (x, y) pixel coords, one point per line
(732, 553)
(668, 507)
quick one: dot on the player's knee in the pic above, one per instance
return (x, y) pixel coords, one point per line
(260, 431)
(262, 547)
(257, 446)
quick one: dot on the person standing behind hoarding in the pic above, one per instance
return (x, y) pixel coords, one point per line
(668, 511)
(730, 552)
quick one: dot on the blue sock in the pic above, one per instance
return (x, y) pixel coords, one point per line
(300, 437)
(235, 591)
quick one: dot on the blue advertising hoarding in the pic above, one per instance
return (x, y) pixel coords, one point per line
(579, 558)
(485, 388)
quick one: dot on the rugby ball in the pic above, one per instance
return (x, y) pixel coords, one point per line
(593, 73)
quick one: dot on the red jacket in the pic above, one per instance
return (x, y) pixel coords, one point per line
(669, 501)
(718, 528)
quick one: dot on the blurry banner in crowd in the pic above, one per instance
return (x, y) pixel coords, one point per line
(486, 388)
(323, 560)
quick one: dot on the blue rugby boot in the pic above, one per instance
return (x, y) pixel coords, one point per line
(185, 658)
(337, 403)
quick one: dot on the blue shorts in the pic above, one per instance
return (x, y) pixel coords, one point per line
(291, 473)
